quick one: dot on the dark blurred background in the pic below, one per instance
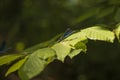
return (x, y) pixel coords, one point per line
(24, 23)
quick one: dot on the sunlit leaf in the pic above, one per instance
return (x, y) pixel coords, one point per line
(36, 63)
(61, 51)
(74, 53)
(9, 58)
(72, 40)
(16, 66)
(70, 46)
(47, 54)
(79, 47)
(31, 68)
(98, 33)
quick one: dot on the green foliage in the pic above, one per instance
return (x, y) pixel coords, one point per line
(74, 53)
(16, 66)
(47, 18)
(73, 39)
(99, 33)
(6, 59)
(35, 62)
(33, 66)
(61, 51)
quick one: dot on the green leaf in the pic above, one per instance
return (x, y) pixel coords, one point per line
(36, 63)
(9, 58)
(61, 51)
(70, 46)
(73, 39)
(81, 45)
(74, 53)
(117, 32)
(16, 66)
(31, 68)
(75, 42)
(47, 54)
(98, 33)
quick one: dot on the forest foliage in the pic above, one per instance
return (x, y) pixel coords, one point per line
(32, 22)
(70, 46)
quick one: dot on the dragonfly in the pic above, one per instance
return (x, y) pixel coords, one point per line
(3, 48)
(67, 33)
